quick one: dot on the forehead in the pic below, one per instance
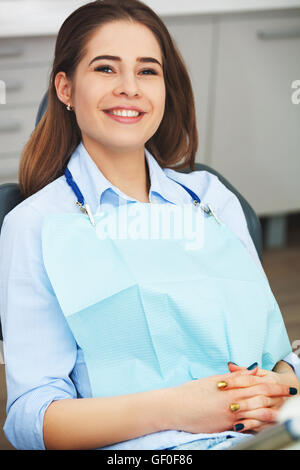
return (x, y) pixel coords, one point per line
(125, 39)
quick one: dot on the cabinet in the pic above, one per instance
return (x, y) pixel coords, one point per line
(255, 141)
(242, 68)
(25, 65)
(194, 38)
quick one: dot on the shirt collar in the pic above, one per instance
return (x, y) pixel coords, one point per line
(92, 183)
(90, 180)
(163, 185)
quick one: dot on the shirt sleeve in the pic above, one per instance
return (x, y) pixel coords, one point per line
(231, 213)
(39, 348)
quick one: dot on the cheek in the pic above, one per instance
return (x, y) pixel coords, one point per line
(159, 107)
(161, 103)
(162, 97)
(157, 95)
(86, 96)
(87, 105)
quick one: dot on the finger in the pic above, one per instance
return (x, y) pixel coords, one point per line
(246, 425)
(234, 368)
(265, 415)
(223, 379)
(245, 379)
(259, 401)
(264, 425)
(266, 388)
(262, 372)
(251, 425)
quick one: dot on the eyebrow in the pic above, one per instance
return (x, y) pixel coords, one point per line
(118, 59)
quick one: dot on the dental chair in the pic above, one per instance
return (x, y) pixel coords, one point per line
(10, 196)
(285, 434)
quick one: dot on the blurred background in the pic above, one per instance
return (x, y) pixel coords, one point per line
(243, 57)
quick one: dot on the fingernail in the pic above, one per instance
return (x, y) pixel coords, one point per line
(234, 407)
(222, 384)
(230, 362)
(255, 364)
(293, 391)
(238, 427)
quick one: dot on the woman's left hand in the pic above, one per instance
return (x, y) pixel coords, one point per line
(282, 374)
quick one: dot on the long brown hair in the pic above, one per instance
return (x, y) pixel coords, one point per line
(51, 144)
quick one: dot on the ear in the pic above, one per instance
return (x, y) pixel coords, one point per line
(63, 88)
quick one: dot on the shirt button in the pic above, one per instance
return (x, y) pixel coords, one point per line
(155, 200)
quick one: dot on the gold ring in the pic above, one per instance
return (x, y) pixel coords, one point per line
(234, 407)
(222, 384)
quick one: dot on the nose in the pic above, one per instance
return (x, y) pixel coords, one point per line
(127, 85)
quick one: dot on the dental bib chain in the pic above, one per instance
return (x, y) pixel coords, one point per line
(85, 208)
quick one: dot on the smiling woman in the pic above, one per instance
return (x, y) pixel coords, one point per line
(97, 74)
(119, 105)
(118, 341)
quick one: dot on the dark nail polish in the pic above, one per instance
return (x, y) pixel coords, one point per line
(293, 391)
(239, 427)
(230, 362)
(255, 364)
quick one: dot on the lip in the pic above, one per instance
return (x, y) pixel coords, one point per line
(133, 108)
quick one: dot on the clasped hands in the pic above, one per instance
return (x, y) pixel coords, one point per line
(265, 393)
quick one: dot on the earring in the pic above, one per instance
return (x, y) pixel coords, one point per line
(69, 108)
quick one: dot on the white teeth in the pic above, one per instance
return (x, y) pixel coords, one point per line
(123, 113)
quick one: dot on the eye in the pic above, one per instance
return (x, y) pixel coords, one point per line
(152, 71)
(102, 68)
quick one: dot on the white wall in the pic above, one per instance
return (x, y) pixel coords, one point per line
(44, 17)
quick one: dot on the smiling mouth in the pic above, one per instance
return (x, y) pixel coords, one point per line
(125, 118)
(124, 113)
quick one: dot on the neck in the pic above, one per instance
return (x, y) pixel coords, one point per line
(128, 171)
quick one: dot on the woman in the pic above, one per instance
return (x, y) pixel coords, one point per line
(101, 350)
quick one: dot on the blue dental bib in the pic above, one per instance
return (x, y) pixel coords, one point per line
(151, 312)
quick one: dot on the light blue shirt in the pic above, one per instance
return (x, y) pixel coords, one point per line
(43, 361)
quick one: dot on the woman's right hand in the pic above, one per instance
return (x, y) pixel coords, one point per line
(199, 406)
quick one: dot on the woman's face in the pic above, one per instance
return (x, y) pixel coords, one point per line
(131, 77)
